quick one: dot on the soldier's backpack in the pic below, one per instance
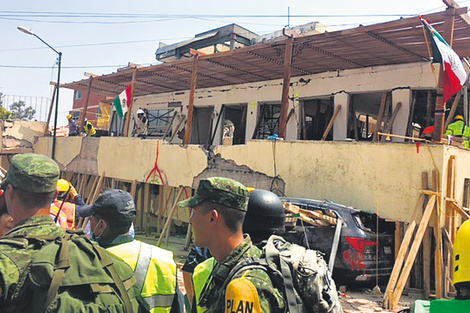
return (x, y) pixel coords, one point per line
(301, 274)
(73, 274)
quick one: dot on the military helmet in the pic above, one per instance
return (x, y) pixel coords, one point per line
(265, 214)
(69, 116)
(462, 256)
(459, 118)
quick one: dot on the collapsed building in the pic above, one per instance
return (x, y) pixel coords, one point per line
(347, 104)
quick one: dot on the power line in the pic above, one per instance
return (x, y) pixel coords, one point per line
(69, 67)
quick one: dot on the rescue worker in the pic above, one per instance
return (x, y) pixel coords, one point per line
(66, 205)
(265, 216)
(89, 128)
(459, 129)
(110, 219)
(73, 127)
(141, 124)
(217, 212)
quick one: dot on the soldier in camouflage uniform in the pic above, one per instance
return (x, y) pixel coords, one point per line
(30, 186)
(217, 212)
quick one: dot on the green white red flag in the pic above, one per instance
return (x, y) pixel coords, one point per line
(122, 101)
(454, 74)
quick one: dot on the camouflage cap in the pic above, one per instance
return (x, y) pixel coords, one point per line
(32, 172)
(225, 191)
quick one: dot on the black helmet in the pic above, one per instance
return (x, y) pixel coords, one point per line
(265, 215)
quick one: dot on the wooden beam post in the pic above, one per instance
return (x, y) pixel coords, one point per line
(455, 104)
(388, 128)
(46, 130)
(380, 117)
(413, 251)
(82, 119)
(285, 87)
(332, 121)
(170, 214)
(192, 91)
(397, 267)
(130, 103)
(426, 247)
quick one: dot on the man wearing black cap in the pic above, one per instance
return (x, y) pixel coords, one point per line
(111, 217)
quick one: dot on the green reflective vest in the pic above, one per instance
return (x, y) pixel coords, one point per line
(200, 275)
(155, 271)
(458, 129)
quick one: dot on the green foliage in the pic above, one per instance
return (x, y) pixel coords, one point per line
(19, 111)
(4, 114)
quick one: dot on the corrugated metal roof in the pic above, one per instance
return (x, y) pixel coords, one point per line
(397, 42)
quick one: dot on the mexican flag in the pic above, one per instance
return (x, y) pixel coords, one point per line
(454, 75)
(122, 101)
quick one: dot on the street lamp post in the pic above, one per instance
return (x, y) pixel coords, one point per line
(59, 62)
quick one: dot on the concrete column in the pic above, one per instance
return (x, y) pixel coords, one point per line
(340, 127)
(401, 121)
(291, 129)
(252, 111)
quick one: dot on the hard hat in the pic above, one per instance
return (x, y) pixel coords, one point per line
(265, 215)
(462, 256)
(69, 116)
(63, 185)
(140, 111)
(459, 117)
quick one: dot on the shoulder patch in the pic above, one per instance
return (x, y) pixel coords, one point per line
(241, 296)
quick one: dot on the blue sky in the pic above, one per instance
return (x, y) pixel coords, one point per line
(99, 44)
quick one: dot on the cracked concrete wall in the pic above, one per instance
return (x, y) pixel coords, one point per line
(382, 178)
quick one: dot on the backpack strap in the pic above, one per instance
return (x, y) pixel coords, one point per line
(61, 265)
(272, 254)
(107, 264)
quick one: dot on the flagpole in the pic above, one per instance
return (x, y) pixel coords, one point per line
(130, 101)
(440, 109)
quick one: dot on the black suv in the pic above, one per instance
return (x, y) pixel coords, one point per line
(356, 258)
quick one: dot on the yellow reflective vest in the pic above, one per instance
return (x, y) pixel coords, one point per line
(154, 270)
(200, 276)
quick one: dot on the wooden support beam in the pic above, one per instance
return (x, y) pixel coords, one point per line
(394, 276)
(285, 87)
(413, 251)
(380, 116)
(97, 188)
(455, 104)
(192, 91)
(146, 208)
(87, 99)
(46, 130)
(332, 121)
(388, 128)
(169, 217)
(167, 130)
(426, 247)
(458, 208)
